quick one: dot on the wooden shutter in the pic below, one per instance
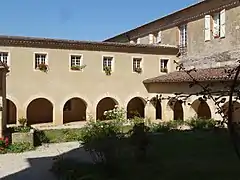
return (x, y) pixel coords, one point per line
(207, 28)
(222, 23)
(159, 37)
(151, 38)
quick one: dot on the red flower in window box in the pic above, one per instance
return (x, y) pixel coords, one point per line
(43, 67)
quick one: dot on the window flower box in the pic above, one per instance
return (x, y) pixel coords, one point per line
(78, 68)
(107, 70)
(43, 67)
(138, 70)
(164, 70)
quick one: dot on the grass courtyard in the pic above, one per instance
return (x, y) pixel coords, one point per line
(172, 155)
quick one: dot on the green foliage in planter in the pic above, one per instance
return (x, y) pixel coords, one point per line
(22, 129)
(23, 126)
(78, 68)
(107, 70)
(165, 70)
(43, 67)
(22, 121)
(138, 70)
(198, 123)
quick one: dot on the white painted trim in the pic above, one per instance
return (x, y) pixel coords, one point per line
(9, 57)
(17, 104)
(141, 64)
(69, 62)
(46, 60)
(134, 95)
(105, 95)
(37, 96)
(113, 62)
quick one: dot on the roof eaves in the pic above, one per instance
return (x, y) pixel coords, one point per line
(154, 21)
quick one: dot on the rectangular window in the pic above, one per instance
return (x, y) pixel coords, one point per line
(40, 59)
(183, 35)
(107, 62)
(137, 65)
(164, 65)
(4, 57)
(216, 25)
(159, 37)
(76, 62)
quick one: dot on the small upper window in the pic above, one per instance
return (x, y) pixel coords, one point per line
(164, 65)
(76, 62)
(137, 65)
(107, 64)
(216, 25)
(4, 57)
(40, 59)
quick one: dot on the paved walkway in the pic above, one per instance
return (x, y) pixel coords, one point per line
(36, 164)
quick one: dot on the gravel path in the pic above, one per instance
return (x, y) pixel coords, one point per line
(36, 164)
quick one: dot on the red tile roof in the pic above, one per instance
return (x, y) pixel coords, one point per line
(210, 74)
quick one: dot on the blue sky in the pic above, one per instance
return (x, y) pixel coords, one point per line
(80, 19)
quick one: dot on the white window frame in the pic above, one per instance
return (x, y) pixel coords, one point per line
(70, 62)
(34, 60)
(112, 64)
(216, 20)
(141, 63)
(159, 37)
(160, 64)
(183, 41)
(151, 39)
(8, 58)
(138, 40)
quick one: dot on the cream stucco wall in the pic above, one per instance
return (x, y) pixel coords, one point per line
(59, 84)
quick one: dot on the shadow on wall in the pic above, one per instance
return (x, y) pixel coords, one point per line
(40, 168)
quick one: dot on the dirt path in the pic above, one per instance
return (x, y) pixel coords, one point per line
(36, 164)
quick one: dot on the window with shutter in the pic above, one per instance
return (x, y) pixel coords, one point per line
(159, 37)
(222, 23)
(207, 28)
(216, 25)
(151, 38)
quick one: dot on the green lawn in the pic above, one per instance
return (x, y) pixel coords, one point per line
(175, 155)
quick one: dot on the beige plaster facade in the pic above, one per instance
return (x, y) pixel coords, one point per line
(199, 52)
(44, 97)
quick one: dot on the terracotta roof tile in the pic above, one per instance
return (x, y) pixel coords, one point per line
(209, 74)
(86, 45)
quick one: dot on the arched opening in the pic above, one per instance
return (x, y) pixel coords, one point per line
(11, 112)
(236, 111)
(105, 104)
(74, 110)
(202, 109)
(40, 111)
(178, 111)
(136, 108)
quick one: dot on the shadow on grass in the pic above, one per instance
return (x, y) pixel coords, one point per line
(172, 155)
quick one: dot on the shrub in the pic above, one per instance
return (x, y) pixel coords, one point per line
(136, 120)
(40, 138)
(4, 143)
(22, 121)
(20, 147)
(198, 123)
(139, 140)
(100, 139)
